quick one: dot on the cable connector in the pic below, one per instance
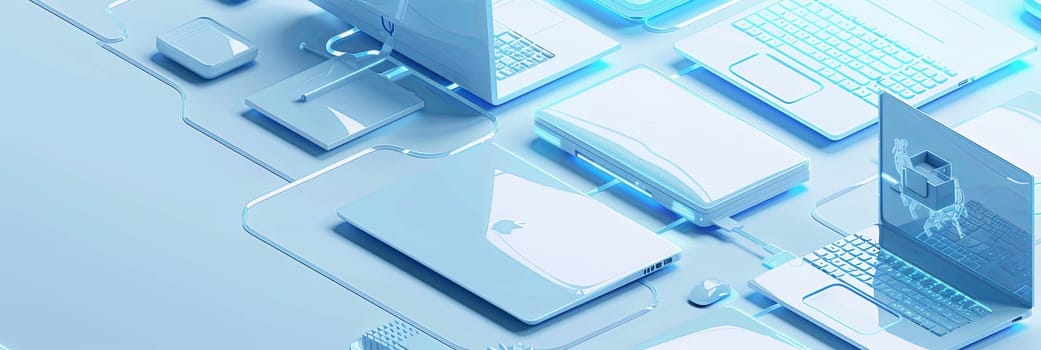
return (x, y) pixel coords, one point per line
(778, 256)
(727, 224)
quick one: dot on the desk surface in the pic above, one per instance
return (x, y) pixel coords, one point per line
(121, 226)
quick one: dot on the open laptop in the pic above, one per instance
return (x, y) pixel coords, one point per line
(497, 50)
(510, 233)
(824, 62)
(951, 261)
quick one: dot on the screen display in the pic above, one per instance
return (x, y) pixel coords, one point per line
(952, 197)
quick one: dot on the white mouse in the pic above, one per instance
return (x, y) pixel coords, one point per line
(709, 291)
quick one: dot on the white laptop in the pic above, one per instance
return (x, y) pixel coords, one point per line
(824, 62)
(510, 233)
(673, 146)
(497, 50)
(951, 261)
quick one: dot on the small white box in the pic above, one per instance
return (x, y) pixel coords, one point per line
(206, 47)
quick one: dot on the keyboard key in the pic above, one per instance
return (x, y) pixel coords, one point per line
(872, 74)
(845, 50)
(805, 48)
(848, 85)
(774, 30)
(904, 57)
(891, 62)
(515, 53)
(812, 30)
(854, 75)
(755, 20)
(768, 16)
(800, 57)
(891, 50)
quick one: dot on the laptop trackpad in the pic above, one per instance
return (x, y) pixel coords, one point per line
(775, 78)
(526, 17)
(852, 310)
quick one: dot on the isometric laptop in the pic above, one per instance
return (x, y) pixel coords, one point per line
(510, 233)
(824, 62)
(673, 146)
(497, 50)
(951, 261)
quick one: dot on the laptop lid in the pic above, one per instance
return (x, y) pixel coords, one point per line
(954, 209)
(510, 233)
(450, 37)
(658, 133)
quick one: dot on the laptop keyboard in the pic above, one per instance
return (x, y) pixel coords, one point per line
(844, 49)
(515, 53)
(910, 292)
(981, 225)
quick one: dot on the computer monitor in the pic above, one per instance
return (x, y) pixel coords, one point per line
(953, 208)
(450, 37)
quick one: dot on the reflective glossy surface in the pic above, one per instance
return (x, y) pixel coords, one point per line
(362, 104)
(510, 233)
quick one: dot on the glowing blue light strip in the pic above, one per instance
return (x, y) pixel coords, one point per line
(548, 137)
(683, 211)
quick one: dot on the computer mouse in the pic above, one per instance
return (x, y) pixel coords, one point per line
(709, 291)
(1033, 7)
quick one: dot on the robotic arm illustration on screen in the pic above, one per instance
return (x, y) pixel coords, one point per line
(927, 181)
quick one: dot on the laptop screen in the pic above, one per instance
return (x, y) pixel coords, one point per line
(953, 208)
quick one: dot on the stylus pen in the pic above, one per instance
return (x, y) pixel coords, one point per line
(335, 83)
